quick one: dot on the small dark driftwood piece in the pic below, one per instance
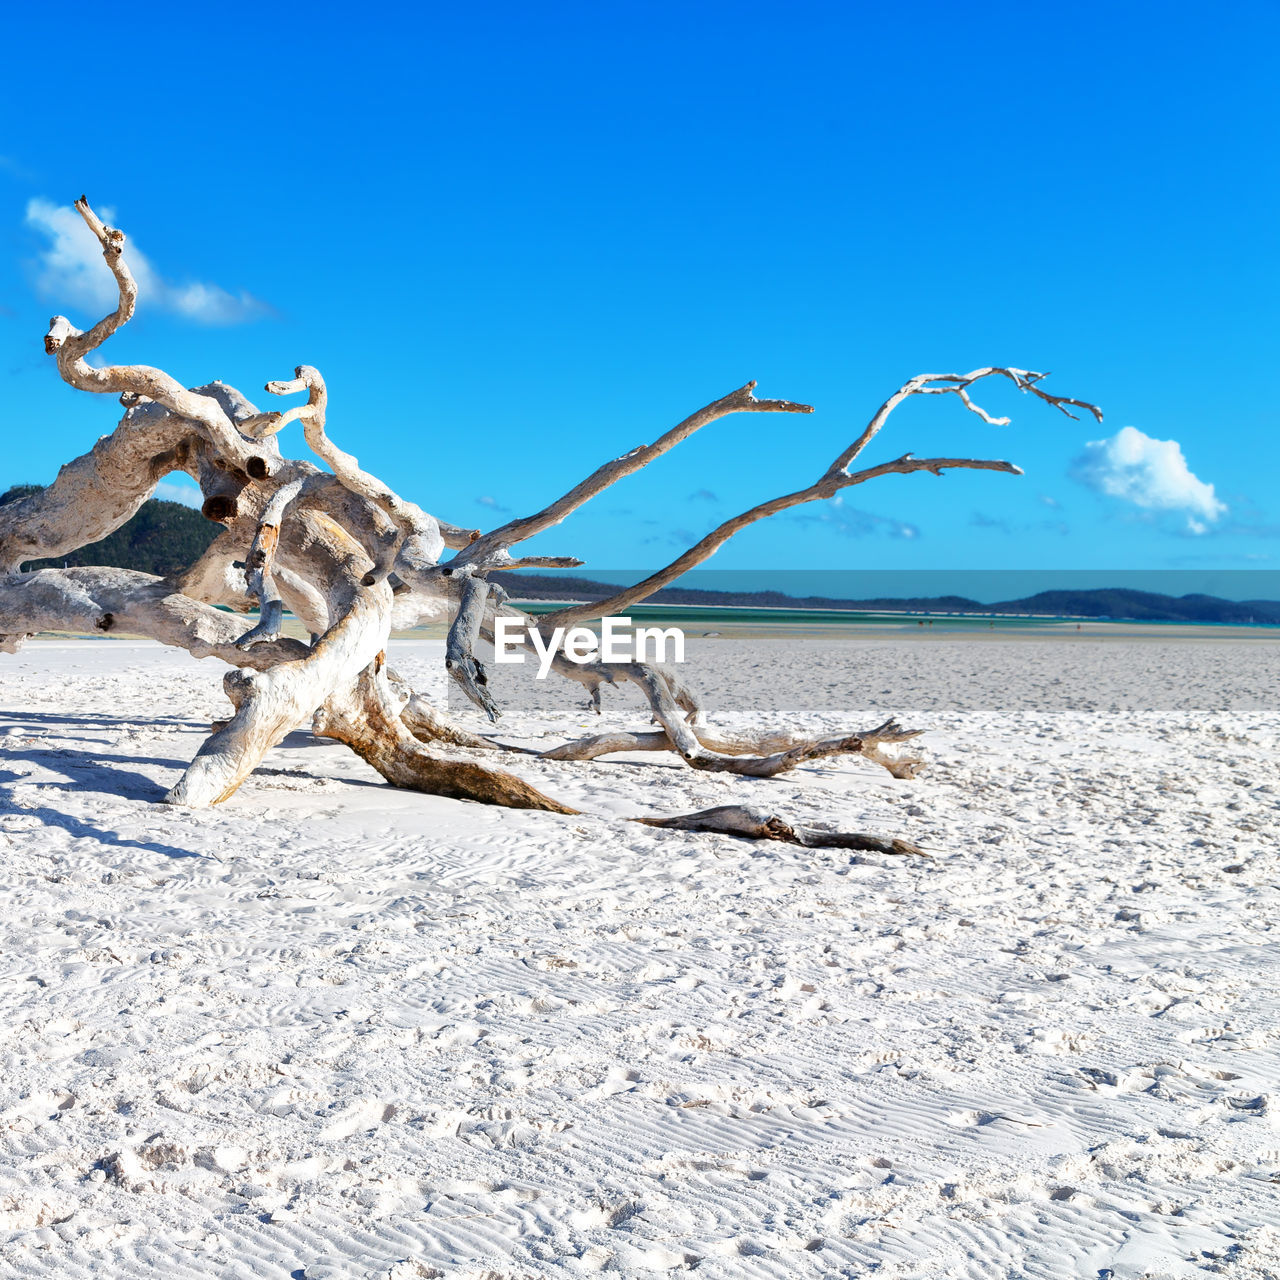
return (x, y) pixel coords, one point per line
(763, 824)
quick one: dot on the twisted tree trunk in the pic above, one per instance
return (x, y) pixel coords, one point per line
(351, 558)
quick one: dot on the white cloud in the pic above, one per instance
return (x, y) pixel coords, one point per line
(1150, 473)
(71, 271)
(176, 491)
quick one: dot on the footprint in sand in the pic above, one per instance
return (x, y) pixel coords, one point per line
(356, 1119)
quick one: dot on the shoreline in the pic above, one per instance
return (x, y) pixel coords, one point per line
(904, 627)
(767, 613)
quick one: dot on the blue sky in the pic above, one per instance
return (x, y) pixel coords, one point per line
(521, 239)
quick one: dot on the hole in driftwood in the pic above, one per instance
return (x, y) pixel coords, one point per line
(219, 507)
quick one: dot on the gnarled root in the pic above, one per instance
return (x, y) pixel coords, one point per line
(367, 718)
(272, 703)
(426, 723)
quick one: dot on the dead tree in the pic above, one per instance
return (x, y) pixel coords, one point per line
(351, 559)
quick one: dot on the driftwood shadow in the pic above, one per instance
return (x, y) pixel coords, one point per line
(90, 771)
(81, 830)
(49, 717)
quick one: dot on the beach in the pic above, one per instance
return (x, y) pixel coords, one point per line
(332, 1029)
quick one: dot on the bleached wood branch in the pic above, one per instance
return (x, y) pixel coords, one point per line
(70, 346)
(421, 541)
(456, 537)
(258, 567)
(677, 708)
(271, 703)
(96, 493)
(743, 400)
(367, 718)
(765, 745)
(460, 660)
(958, 384)
(663, 692)
(123, 601)
(688, 744)
(415, 553)
(345, 466)
(832, 481)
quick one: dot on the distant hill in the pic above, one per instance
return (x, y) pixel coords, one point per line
(166, 537)
(162, 538)
(1110, 602)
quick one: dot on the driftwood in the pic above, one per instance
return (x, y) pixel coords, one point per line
(767, 753)
(763, 824)
(351, 559)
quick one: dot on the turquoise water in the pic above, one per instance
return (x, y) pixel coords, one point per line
(701, 618)
(707, 618)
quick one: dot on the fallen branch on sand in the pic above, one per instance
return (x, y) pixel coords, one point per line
(762, 824)
(352, 559)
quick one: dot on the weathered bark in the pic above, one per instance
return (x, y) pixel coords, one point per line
(352, 559)
(367, 719)
(428, 724)
(205, 413)
(258, 567)
(781, 751)
(123, 601)
(95, 494)
(459, 653)
(271, 703)
(762, 824)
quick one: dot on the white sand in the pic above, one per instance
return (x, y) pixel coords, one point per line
(332, 1029)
